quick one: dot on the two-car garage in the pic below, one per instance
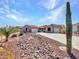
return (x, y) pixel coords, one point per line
(56, 29)
(34, 30)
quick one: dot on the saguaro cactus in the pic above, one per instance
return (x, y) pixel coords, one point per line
(68, 28)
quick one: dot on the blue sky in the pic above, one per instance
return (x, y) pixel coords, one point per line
(36, 12)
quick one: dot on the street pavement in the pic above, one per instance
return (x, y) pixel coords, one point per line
(62, 38)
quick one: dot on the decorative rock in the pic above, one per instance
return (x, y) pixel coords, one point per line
(35, 50)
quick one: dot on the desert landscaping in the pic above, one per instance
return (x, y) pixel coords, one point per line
(34, 46)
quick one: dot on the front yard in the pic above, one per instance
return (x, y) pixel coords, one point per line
(35, 46)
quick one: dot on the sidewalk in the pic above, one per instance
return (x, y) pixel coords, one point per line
(62, 38)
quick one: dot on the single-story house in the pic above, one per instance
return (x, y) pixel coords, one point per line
(28, 28)
(52, 28)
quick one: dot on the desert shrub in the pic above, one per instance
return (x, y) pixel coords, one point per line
(14, 35)
(63, 31)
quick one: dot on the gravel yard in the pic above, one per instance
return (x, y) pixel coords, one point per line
(35, 46)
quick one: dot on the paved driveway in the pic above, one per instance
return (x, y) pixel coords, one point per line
(62, 38)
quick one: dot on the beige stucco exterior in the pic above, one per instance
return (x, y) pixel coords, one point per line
(76, 27)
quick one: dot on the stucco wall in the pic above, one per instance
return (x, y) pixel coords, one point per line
(74, 28)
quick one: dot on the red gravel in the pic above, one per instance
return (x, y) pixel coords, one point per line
(31, 44)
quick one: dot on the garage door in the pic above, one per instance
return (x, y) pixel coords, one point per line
(34, 30)
(56, 30)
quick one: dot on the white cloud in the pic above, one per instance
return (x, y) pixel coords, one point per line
(43, 20)
(12, 16)
(1, 11)
(16, 12)
(74, 3)
(24, 19)
(5, 7)
(17, 18)
(49, 4)
(54, 15)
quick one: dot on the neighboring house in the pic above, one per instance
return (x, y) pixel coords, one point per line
(52, 28)
(28, 28)
(76, 28)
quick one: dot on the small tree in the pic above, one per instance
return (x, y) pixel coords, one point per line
(6, 31)
(68, 28)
